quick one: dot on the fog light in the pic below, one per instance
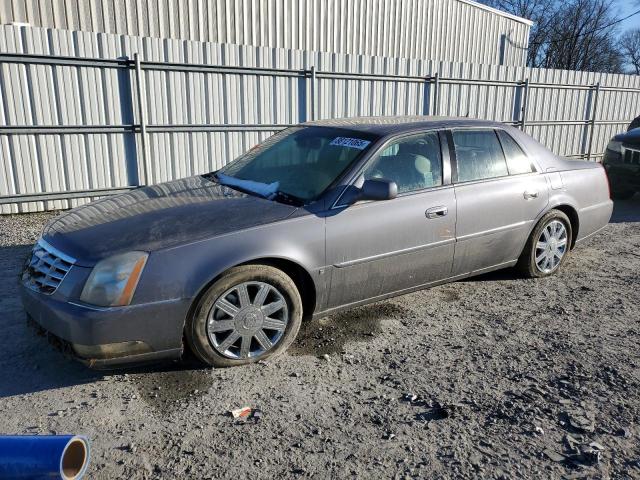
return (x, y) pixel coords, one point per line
(111, 350)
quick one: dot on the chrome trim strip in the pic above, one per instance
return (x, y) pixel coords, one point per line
(97, 308)
(401, 195)
(493, 230)
(51, 249)
(606, 203)
(586, 237)
(46, 274)
(381, 256)
(423, 286)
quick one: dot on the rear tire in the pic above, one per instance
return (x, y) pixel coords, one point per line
(252, 313)
(550, 239)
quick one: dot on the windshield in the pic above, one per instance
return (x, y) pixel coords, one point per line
(299, 162)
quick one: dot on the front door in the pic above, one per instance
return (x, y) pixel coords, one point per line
(380, 247)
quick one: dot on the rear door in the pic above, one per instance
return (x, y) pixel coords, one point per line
(499, 194)
(380, 247)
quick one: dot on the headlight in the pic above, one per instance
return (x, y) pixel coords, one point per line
(615, 146)
(113, 280)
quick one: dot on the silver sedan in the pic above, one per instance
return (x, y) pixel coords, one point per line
(319, 218)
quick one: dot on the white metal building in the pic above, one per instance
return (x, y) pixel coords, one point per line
(445, 30)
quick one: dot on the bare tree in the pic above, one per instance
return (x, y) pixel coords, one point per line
(538, 11)
(570, 35)
(630, 49)
(582, 37)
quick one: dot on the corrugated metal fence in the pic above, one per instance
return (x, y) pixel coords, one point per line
(459, 30)
(84, 115)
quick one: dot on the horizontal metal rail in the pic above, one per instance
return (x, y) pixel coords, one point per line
(487, 83)
(51, 196)
(218, 128)
(204, 68)
(56, 61)
(196, 128)
(136, 128)
(65, 129)
(267, 71)
(433, 84)
(551, 86)
(374, 77)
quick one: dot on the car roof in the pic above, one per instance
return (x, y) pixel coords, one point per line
(392, 125)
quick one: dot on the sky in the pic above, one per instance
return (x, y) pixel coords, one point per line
(627, 7)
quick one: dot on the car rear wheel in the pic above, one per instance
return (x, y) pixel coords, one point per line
(548, 246)
(253, 312)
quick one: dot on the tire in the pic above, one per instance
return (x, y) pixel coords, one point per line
(622, 194)
(527, 263)
(219, 317)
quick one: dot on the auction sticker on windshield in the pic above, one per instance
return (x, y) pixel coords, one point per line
(350, 142)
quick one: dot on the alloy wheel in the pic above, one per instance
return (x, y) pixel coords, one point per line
(247, 320)
(551, 246)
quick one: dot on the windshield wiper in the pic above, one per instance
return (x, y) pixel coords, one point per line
(284, 197)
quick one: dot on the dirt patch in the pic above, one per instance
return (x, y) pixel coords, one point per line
(173, 388)
(493, 377)
(329, 335)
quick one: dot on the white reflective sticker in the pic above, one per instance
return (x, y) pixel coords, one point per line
(350, 142)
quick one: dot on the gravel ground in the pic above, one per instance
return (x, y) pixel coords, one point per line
(494, 377)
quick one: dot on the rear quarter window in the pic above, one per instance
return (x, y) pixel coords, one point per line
(517, 160)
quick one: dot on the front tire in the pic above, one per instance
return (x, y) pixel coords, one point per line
(253, 312)
(548, 246)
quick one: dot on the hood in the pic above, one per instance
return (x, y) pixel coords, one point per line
(632, 137)
(159, 216)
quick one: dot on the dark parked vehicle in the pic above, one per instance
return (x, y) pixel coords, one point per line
(321, 217)
(622, 162)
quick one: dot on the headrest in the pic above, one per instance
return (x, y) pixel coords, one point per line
(422, 164)
(412, 148)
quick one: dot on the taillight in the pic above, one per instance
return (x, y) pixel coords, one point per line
(606, 176)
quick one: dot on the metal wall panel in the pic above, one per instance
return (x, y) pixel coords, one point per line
(198, 118)
(450, 30)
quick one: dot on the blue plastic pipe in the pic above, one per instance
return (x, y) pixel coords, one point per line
(43, 456)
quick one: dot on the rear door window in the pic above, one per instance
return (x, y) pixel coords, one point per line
(517, 160)
(479, 155)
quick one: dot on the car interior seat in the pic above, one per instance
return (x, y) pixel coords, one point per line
(415, 165)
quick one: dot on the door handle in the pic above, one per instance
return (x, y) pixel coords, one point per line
(437, 212)
(529, 194)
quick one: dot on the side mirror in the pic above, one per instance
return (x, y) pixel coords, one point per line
(378, 189)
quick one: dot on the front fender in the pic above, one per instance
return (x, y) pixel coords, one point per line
(183, 271)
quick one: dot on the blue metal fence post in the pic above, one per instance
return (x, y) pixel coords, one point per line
(593, 119)
(524, 99)
(141, 117)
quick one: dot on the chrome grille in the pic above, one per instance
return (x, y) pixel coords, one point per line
(631, 157)
(46, 268)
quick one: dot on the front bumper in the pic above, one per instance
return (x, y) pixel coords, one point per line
(111, 337)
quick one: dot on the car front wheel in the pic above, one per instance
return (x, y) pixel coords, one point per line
(548, 246)
(253, 312)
